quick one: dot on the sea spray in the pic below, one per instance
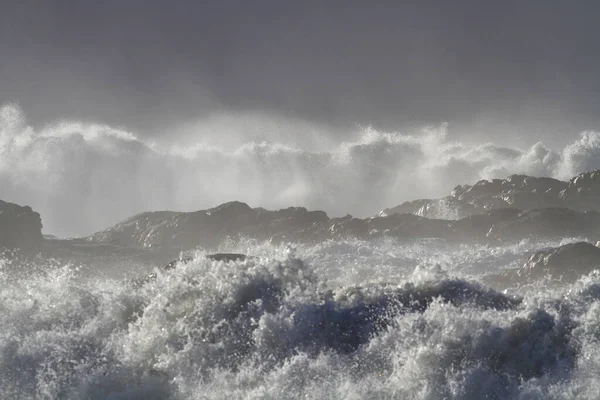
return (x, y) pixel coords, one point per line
(83, 177)
(274, 326)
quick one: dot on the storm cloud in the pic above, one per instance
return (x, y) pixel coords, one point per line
(517, 69)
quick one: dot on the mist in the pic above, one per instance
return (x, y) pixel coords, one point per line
(112, 108)
(520, 72)
(84, 177)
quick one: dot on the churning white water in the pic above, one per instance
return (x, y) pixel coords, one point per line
(341, 320)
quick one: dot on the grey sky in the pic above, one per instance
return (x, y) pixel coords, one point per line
(527, 69)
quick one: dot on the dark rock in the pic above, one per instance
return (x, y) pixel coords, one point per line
(583, 191)
(478, 226)
(486, 211)
(517, 191)
(407, 226)
(445, 208)
(210, 227)
(348, 226)
(547, 223)
(134, 230)
(227, 257)
(570, 261)
(565, 263)
(172, 233)
(177, 232)
(20, 228)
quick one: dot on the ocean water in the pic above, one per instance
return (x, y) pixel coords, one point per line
(341, 320)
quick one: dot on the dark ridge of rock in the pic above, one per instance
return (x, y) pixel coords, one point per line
(486, 211)
(480, 225)
(516, 191)
(444, 208)
(133, 230)
(565, 264)
(227, 257)
(548, 223)
(183, 231)
(407, 226)
(581, 193)
(171, 233)
(20, 228)
(25, 247)
(571, 261)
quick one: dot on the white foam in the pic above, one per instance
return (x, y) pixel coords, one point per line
(299, 324)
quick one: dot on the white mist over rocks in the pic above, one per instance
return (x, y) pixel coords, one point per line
(83, 177)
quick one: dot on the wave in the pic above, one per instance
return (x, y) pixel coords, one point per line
(84, 177)
(267, 328)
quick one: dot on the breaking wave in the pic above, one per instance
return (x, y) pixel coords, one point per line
(84, 177)
(275, 327)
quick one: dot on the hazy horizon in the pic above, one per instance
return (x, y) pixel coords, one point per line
(109, 109)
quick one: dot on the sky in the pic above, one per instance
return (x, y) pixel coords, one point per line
(522, 70)
(109, 108)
